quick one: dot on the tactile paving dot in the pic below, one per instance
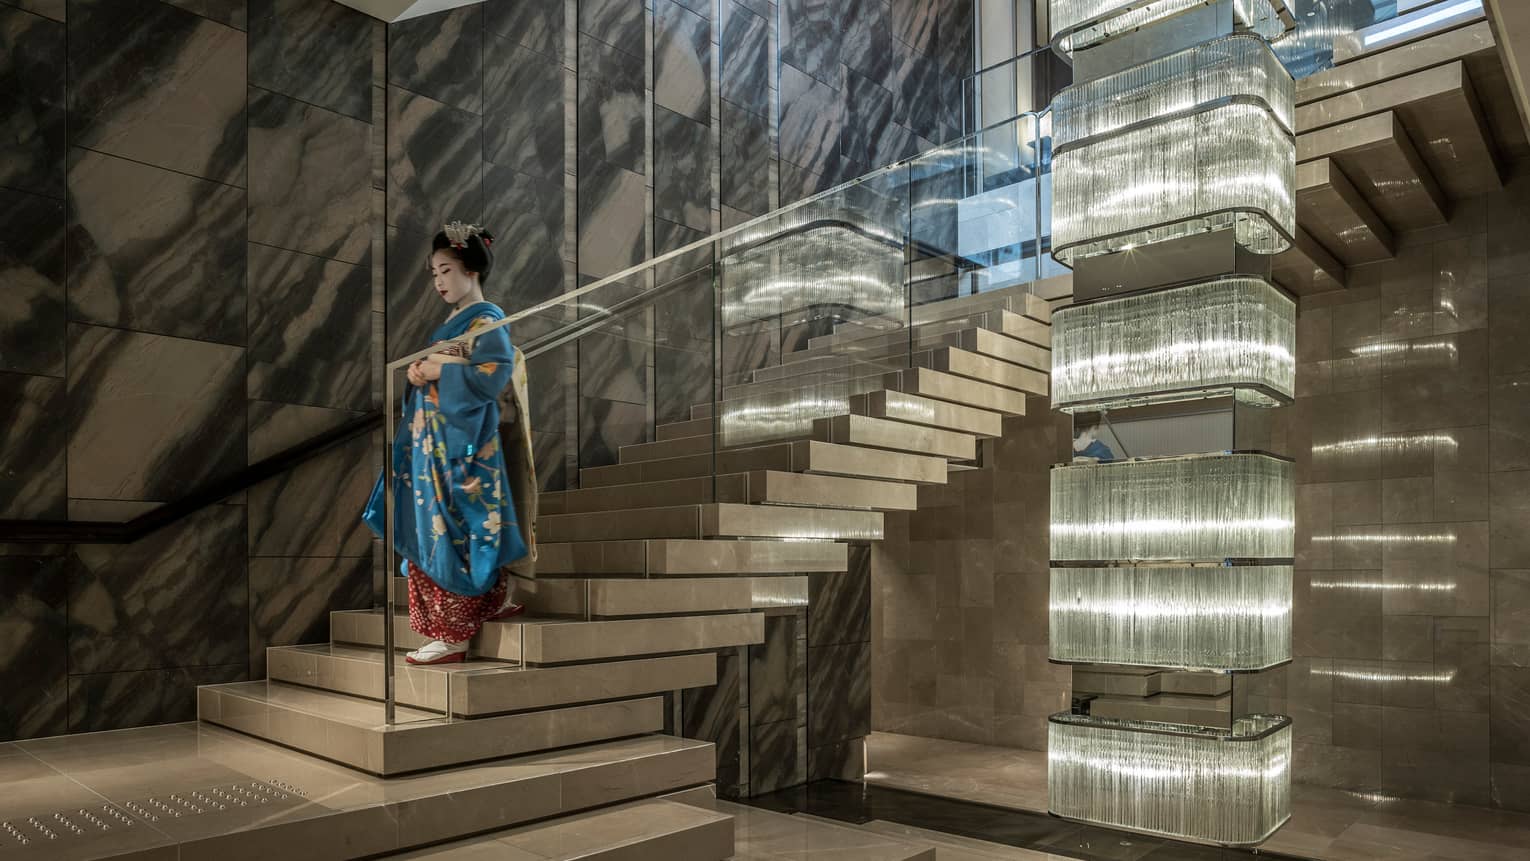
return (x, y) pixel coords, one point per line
(52, 828)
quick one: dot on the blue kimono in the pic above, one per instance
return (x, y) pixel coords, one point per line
(455, 514)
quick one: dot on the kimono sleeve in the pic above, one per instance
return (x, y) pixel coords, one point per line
(482, 381)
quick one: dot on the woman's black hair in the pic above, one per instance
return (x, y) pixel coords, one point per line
(476, 254)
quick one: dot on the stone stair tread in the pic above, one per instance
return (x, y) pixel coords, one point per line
(335, 707)
(760, 486)
(479, 686)
(869, 432)
(653, 828)
(354, 731)
(711, 520)
(605, 598)
(647, 557)
(565, 640)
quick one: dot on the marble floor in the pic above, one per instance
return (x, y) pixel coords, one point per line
(1326, 824)
(195, 792)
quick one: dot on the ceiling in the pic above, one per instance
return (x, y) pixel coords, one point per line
(401, 10)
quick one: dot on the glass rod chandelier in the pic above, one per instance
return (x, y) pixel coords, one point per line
(1174, 563)
(1231, 787)
(1081, 24)
(1228, 618)
(1218, 335)
(1216, 116)
(1203, 507)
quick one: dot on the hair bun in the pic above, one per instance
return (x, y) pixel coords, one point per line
(471, 243)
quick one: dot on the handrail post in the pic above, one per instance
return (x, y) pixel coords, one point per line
(389, 711)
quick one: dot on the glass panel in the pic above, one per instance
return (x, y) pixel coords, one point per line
(1174, 344)
(829, 270)
(1022, 84)
(1218, 618)
(817, 300)
(758, 332)
(1206, 507)
(1232, 788)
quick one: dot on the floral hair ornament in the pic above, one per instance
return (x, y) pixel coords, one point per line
(458, 233)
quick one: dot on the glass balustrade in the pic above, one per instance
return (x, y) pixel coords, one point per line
(705, 361)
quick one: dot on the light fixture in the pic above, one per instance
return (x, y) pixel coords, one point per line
(1218, 335)
(1229, 787)
(1178, 564)
(1216, 118)
(1203, 507)
(1080, 24)
(1207, 617)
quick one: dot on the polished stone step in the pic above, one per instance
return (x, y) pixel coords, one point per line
(679, 447)
(686, 558)
(779, 394)
(1380, 159)
(298, 807)
(1440, 110)
(680, 430)
(481, 687)
(827, 458)
(771, 456)
(1019, 299)
(610, 598)
(869, 432)
(986, 369)
(941, 386)
(829, 491)
(999, 321)
(652, 830)
(759, 487)
(352, 731)
(1329, 207)
(789, 456)
(912, 409)
(1469, 43)
(559, 641)
(993, 362)
(980, 334)
(1307, 267)
(713, 520)
(651, 494)
(839, 365)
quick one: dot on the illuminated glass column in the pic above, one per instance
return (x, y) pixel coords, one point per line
(1171, 569)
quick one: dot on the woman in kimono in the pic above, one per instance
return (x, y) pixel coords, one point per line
(455, 526)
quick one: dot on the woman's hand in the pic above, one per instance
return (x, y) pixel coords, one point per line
(422, 372)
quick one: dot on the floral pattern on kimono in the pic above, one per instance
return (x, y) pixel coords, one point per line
(455, 518)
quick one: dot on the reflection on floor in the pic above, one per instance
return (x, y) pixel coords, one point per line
(1045, 836)
(1326, 824)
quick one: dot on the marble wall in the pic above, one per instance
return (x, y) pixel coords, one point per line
(599, 133)
(959, 609)
(1411, 637)
(215, 228)
(189, 225)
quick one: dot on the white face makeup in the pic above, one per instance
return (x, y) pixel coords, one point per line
(451, 280)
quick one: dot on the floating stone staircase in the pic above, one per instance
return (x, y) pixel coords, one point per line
(656, 562)
(1391, 139)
